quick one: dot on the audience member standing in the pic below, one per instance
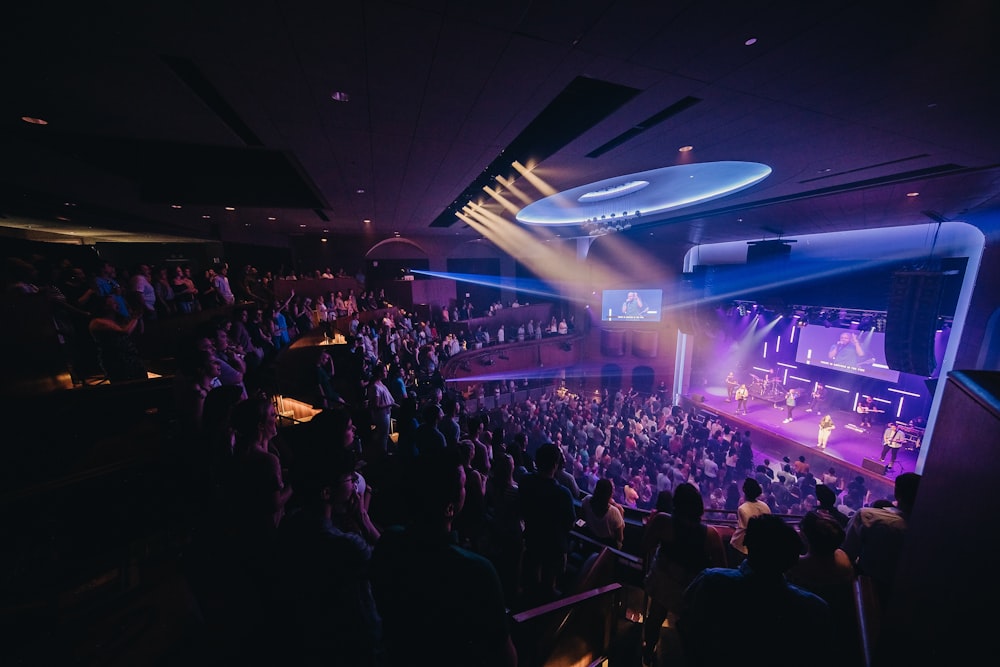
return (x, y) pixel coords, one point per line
(438, 601)
(605, 518)
(875, 535)
(548, 513)
(380, 404)
(752, 506)
(677, 546)
(326, 611)
(726, 612)
(222, 287)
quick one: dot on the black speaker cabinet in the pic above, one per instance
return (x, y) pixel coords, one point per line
(872, 465)
(911, 321)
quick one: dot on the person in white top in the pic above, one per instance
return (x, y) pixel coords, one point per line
(221, 284)
(605, 518)
(750, 508)
(141, 283)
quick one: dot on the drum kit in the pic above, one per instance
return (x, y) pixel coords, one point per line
(764, 388)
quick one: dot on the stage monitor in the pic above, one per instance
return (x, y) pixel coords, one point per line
(631, 305)
(846, 350)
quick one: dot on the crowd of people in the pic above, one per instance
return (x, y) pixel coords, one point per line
(346, 535)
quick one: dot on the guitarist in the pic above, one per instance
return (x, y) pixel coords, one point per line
(867, 408)
(892, 441)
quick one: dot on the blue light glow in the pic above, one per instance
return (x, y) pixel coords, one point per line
(645, 194)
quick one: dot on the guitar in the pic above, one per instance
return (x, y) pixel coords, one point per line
(863, 410)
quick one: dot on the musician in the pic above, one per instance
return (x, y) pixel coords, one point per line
(826, 427)
(790, 396)
(817, 399)
(742, 394)
(731, 385)
(848, 351)
(892, 441)
(866, 408)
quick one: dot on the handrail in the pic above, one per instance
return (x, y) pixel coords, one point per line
(867, 607)
(631, 559)
(562, 603)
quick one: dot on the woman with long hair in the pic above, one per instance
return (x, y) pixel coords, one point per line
(677, 546)
(505, 541)
(257, 492)
(605, 518)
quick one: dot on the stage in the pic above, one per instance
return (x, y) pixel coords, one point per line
(846, 450)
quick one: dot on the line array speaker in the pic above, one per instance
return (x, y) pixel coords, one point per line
(911, 321)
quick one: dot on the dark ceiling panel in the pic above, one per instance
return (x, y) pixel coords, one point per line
(579, 107)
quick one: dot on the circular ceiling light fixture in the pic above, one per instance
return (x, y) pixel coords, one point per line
(645, 194)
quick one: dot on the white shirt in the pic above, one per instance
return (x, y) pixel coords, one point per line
(142, 285)
(221, 284)
(606, 526)
(744, 513)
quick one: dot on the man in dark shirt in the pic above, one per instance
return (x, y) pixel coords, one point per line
(743, 605)
(448, 425)
(548, 513)
(440, 604)
(428, 439)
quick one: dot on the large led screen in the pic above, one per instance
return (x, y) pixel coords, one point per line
(847, 350)
(631, 305)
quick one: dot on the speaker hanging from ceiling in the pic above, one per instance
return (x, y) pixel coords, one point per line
(911, 321)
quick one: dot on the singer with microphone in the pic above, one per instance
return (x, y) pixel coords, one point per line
(847, 350)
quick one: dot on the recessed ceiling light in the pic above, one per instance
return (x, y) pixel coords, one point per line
(326, 231)
(323, 240)
(230, 208)
(34, 121)
(360, 191)
(339, 96)
(912, 194)
(271, 217)
(68, 203)
(750, 42)
(175, 206)
(205, 217)
(301, 225)
(396, 233)
(685, 149)
(367, 221)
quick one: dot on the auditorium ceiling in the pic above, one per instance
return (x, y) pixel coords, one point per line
(267, 120)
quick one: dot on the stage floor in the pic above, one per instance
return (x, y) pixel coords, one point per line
(846, 450)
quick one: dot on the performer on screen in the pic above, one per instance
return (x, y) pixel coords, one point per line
(826, 427)
(848, 351)
(633, 306)
(731, 385)
(892, 441)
